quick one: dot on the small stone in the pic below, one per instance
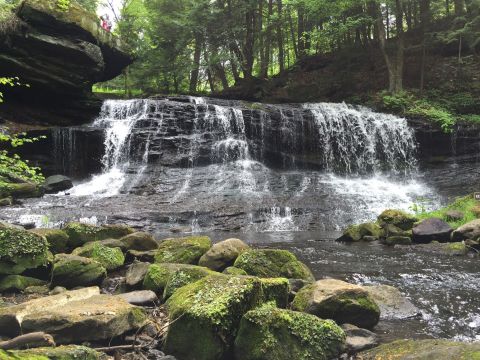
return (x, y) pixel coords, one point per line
(141, 297)
(454, 215)
(223, 254)
(57, 290)
(359, 339)
(393, 305)
(136, 274)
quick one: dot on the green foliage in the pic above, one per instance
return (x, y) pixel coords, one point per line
(63, 5)
(432, 112)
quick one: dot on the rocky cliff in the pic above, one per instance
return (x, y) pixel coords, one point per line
(60, 55)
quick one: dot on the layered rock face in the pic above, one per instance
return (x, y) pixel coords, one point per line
(60, 55)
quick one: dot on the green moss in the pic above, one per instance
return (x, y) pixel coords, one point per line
(157, 276)
(184, 276)
(72, 271)
(357, 232)
(183, 250)
(268, 333)
(57, 239)
(207, 314)
(21, 250)
(232, 270)
(110, 258)
(397, 218)
(70, 352)
(276, 290)
(273, 263)
(80, 233)
(465, 205)
(22, 190)
(18, 283)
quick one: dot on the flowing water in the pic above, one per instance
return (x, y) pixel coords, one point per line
(292, 175)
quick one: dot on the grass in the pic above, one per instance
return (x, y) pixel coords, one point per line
(466, 205)
(115, 91)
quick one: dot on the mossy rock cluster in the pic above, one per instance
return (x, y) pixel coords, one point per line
(18, 283)
(20, 190)
(72, 271)
(110, 258)
(186, 250)
(21, 250)
(359, 232)
(80, 233)
(71, 352)
(272, 263)
(398, 218)
(269, 333)
(58, 240)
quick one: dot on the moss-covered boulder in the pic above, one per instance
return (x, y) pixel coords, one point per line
(206, 315)
(398, 218)
(183, 276)
(72, 271)
(110, 258)
(21, 250)
(80, 233)
(269, 333)
(276, 290)
(273, 263)
(70, 352)
(232, 270)
(18, 283)
(223, 254)
(339, 301)
(186, 250)
(20, 190)
(392, 230)
(356, 233)
(58, 241)
(424, 350)
(397, 240)
(139, 241)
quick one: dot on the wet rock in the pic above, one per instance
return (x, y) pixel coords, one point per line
(110, 258)
(18, 283)
(38, 290)
(208, 314)
(21, 250)
(223, 254)
(183, 250)
(356, 233)
(56, 183)
(359, 339)
(273, 263)
(397, 240)
(57, 239)
(339, 301)
(72, 271)
(431, 229)
(20, 190)
(183, 276)
(232, 270)
(268, 333)
(136, 274)
(398, 218)
(142, 297)
(139, 241)
(469, 231)
(392, 303)
(70, 352)
(454, 215)
(80, 233)
(424, 349)
(74, 317)
(451, 249)
(296, 285)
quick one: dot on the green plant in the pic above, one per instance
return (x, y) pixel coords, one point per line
(63, 5)
(465, 205)
(396, 102)
(433, 112)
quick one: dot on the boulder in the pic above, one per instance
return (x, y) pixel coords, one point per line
(269, 333)
(72, 271)
(432, 229)
(397, 240)
(141, 297)
(398, 218)
(80, 233)
(73, 317)
(56, 183)
(339, 301)
(356, 233)
(276, 290)
(424, 350)
(392, 230)
(37, 290)
(139, 241)
(21, 250)
(18, 283)
(359, 339)
(184, 276)
(392, 303)
(20, 190)
(232, 270)
(454, 215)
(70, 352)
(110, 258)
(57, 239)
(223, 254)
(183, 250)
(145, 256)
(469, 231)
(206, 315)
(136, 272)
(273, 263)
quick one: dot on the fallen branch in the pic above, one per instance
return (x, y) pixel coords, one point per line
(36, 339)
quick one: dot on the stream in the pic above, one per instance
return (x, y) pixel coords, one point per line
(287, 176)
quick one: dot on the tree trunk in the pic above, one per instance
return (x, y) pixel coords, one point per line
(249, 40)
(268, 42)
(292, 33)
(196, 64)
(459, 7)
(281, 51)
(301, 31)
